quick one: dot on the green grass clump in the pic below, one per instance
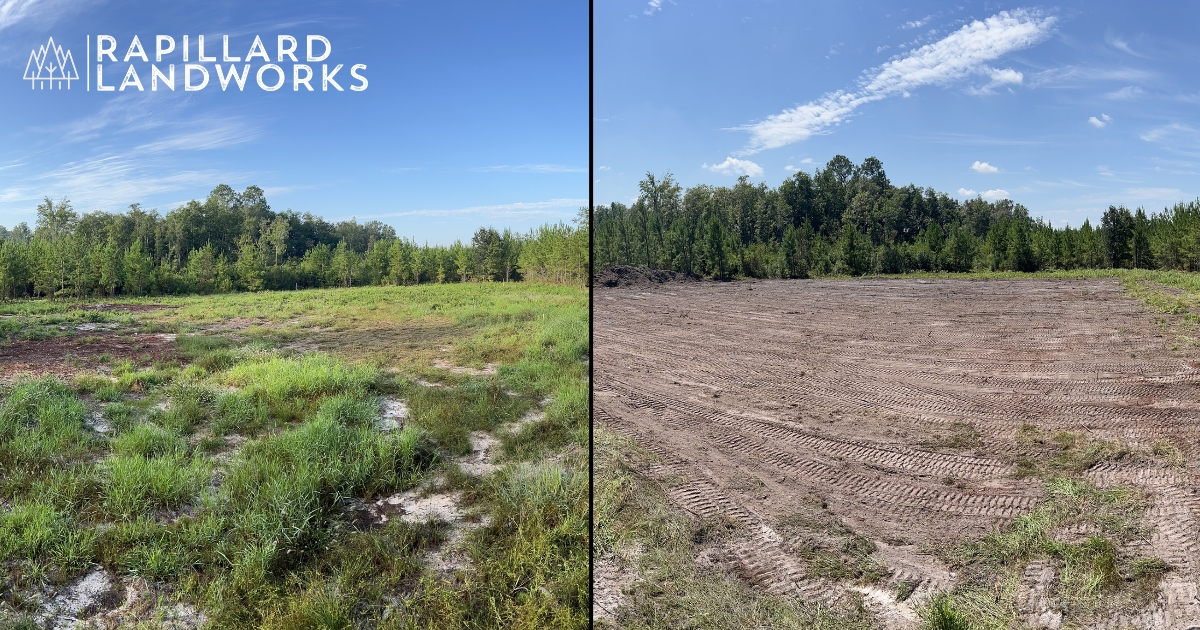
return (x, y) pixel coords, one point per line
(86, 384)
(136, 485)
(149, 440)
(1094, 574)
(190, 406)
(942, 614)
(41, 426)
(240, 412)
(1064, 452)
(449, 415)
(310, 376)
(281, 497)
(565, 423)
(38, 531)
(210, 352)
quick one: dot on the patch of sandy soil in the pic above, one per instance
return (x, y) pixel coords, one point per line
(90, 595)
(483, 447)
(487, 370)
(92, 326)
(837, 389)
(418, 506)
(99, 601)
(394, 413)
(611, 576)
(98, 424)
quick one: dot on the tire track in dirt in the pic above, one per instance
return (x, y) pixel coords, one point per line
(754, 399)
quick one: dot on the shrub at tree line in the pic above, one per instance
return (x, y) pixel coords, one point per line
(235, 242)
(850, 220)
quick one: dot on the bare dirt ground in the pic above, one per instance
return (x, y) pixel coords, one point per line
(761, 398)
(86, 350)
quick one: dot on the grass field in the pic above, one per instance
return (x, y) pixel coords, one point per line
(400, 457)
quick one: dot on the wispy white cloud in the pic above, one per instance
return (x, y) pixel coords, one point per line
(1074, 76)
(966, 192)
(1153, 194)
(984, 167)
(112, 182)
(1178, 138)
(1110, 175)
(114, 179)
(603, 168)
(734, 166)
(965, 52)
(1100, 122)
(531, 168)
(210, 135)
(995, 193)
(654, 7)
(123, 114)
(1121, 45)
(1126, 93)
(549, 208)
(806, 161)
(1000, 78)
(917, 23)
(12, 12)
(1166, 131)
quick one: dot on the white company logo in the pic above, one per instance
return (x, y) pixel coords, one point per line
(48, 65)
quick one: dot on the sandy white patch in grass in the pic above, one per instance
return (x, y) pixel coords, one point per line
(612, 576)
(92, 326)
(487, 370)
(394, 413)
(89, 595)
(98, 423)
(479, 462)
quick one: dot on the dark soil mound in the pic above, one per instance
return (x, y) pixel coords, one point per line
(626, 277)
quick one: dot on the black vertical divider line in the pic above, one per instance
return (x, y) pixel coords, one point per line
(591, 315)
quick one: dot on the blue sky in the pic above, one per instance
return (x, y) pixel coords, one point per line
(1066, 108)
(475, 113)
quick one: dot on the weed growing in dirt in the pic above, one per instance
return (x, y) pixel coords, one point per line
(961, 435)
(1070, 453)
(830, 549)
(1095, 571)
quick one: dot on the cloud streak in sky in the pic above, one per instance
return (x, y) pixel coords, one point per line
(550, 208)
(13, 11)
(531, 168)
(963, 53)
(734, 166)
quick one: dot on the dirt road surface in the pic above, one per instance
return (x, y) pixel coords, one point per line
(759, 398)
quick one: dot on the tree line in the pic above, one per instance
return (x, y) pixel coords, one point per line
(234, 242)
(847, 219)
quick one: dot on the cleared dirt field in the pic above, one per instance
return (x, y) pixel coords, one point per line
(915, 413)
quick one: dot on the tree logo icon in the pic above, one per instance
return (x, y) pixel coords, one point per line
(48, 65)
